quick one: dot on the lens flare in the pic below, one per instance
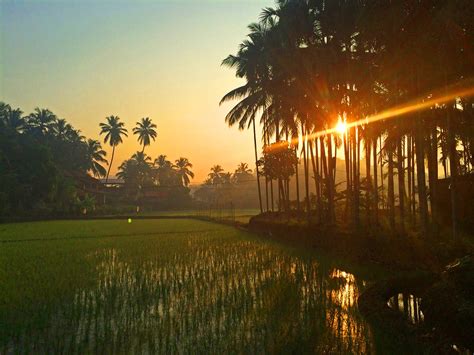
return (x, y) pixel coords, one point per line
(341, 127)
(449, 95)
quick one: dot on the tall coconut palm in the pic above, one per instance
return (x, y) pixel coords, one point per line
(183, 169)
(146, 132)
(113, 130)
(96, 157)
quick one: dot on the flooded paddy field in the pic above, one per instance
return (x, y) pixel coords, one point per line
(167, 286)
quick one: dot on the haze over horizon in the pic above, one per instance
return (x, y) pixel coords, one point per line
(88, 60)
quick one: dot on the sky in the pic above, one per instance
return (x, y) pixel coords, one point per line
(86, 60)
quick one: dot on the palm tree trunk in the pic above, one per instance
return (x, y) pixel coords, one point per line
(298, 206)
(266, 193)
(391, 192)
(256, 166)
(271, 195)
(313, 164)
(433, 171)
(413, 179)
(401, 182)
(330, 181)
(111, 162)
(318, 180)
(306, 175)
(420, 173)
(355, 177)
(409, 172)
(348, 174)
(376, 187)
(324, 164)
(453, 170)
(382, 190)
(368, 192)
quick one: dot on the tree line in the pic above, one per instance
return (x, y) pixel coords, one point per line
(223, 189)
(395, 77)
(41, 154)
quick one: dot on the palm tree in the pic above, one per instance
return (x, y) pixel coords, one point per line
(96, 156)
(164, 171)
(14, 120)
(41, 120)
(145, 130)
(183, 170)
(162, 162)
(113, 130)
(61, 128)
(216, 174)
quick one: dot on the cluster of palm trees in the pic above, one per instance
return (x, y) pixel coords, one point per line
(40, 153)
(139, 170)
(113, 130)
(398, 74)
(222, 188)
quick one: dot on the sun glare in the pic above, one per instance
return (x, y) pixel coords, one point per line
(341, 127)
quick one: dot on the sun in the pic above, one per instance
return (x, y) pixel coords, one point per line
(341, 127)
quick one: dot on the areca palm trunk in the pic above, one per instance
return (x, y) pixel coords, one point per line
(382, 190)
(409, 172)
(453, 170)
(368, 179)
(298, 206)
(318, 180)
(331, 177)
(355, 177)
(420, 173)
(256, 166)
(348, 173)
(324, 163)
(401, 182)
(391, 192)
(313, 164)
(271, 195)
(376, 187)
(413, 179)
(306, 173)
(433, 171)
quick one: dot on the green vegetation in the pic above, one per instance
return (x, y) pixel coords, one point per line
(171, 285)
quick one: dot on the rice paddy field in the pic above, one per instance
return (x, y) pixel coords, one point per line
(173, 286)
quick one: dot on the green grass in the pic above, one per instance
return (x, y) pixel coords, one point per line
(170, 286)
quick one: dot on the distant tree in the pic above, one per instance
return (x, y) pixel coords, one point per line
(184, 172)
(113, 130)
(243, 173)
(146, 132)
(165, 174)
(216, 174)
(96, 156)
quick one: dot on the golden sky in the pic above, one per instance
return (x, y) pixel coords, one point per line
(86, 60)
